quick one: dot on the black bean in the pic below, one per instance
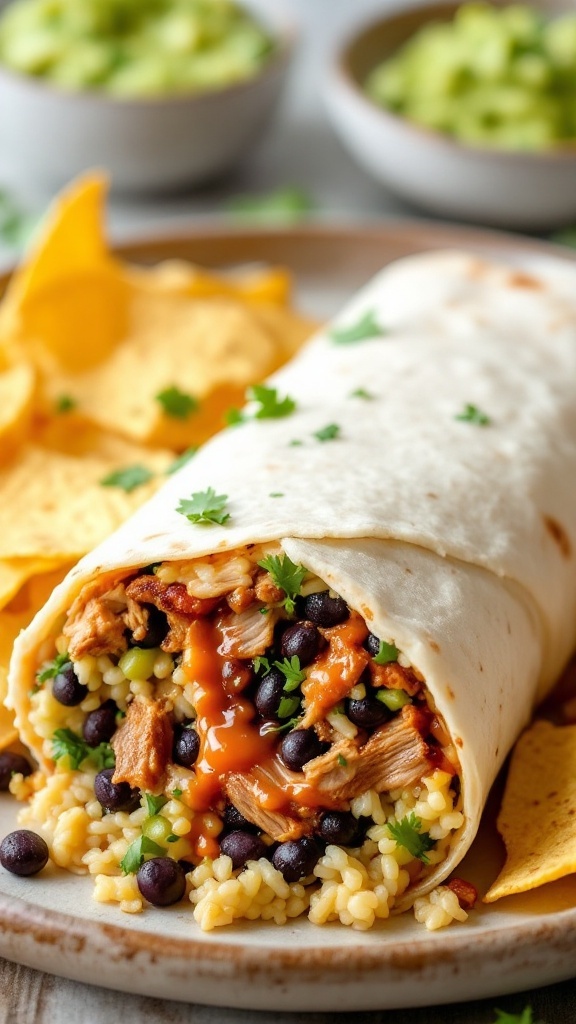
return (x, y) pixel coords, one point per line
(339, 827)
(241, 847)
(156, 631)
(270, 693)
(115, 796)
(367, 713)
(297, 858)
(234, 820)
(12, 764)
(300, 746)
(67, 688)
(236, 675)
(23, 853)
(161, 881)
(324, 610)
(100, 724)
(302, 640)
(186, 746)
(372, 644)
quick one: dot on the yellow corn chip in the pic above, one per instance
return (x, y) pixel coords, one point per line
(177, 277)
(537, 820)
(56, 503)
(17, 387)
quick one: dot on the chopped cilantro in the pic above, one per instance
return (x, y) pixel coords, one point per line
(365, 327)
(128, 479)
(515, 1018)
(295, 443)
(407, 834)
(181, 460)
(290, 669)
(16, 226)
(155, 803)
(286, 575)
(264, 611)
(205, 507)
(172, 838)
(342, 761)
(268, 728)
(276, 494)
(287, 706)
(65, 403)
(472, 414)
(386, 654)
(328, 433)
(176, 404)
(176, 792)
(361, 393)
(66, 743)
(287, 204)
(260, 661)
(137, 852)
(233, 417)
(271, 406)
(50, 669)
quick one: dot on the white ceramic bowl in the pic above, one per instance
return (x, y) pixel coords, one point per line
(488, 186)
(147, 145)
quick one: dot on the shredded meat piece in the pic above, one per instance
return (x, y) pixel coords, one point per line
(95, 624)
(266, 590)
(337, 669)
(394, 756)
(143, 745)
(136, 619)
(466, 893)
(395, 677)
(174, 600)
(248, 634)
(243, 791)
(240, 599)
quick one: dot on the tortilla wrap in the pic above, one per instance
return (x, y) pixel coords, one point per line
(453, 539)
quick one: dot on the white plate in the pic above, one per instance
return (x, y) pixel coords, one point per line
(51, 923)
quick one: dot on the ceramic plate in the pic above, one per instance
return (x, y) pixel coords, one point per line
(51, 923)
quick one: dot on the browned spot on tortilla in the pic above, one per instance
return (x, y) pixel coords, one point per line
(366, 612)
(434, 646)
(450, 692)
(477, 269)
(459, 741)
(522, 280)
(409, 571)
(480, 666)
(431, 494)
(559, 535)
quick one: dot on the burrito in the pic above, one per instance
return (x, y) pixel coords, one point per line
(286, 684)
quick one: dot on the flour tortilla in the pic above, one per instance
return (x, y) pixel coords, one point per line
(453, 539)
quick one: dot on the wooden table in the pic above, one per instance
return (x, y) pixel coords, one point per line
(31, 997)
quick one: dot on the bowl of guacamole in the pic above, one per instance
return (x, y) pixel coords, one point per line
(163, 93)
(465, 109)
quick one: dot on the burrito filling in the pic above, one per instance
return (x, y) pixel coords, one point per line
(230, 727)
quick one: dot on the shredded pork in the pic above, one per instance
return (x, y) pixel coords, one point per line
(243, 791)
(143, 745)
(174, 600)
(95, 623)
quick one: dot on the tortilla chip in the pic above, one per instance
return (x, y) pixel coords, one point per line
(55, 504)
(17, 390)
(177, 277)
(15, 573)
(14, 618)
(537, 820)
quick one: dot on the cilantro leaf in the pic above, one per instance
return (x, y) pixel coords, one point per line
(16, 226)
(386, 654)
(515, 1018)
(176, 792)
(362, 393)
(261, 662)
(276, 494)
(295, 443)
(472, 414)
(205, 507)
(50, 669)
(66, 743)
(286, 204)
(290, 669)
(137, 853)
(407, 834)
(342, 761)
(129, 478)
(181, 460)
(155, 803)
(287, 706)
(328, 433)
(365, 327)
(286, 575)
(172, 838)
(234, 417)
(269, 728)
(271, 406)
(65, 403)
(176, 404)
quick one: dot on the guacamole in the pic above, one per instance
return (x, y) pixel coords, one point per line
(133, 48)
(499, 77)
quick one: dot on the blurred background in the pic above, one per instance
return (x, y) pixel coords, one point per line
(299, 154)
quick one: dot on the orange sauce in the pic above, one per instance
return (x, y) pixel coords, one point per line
(337, 670)
(229, 741)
